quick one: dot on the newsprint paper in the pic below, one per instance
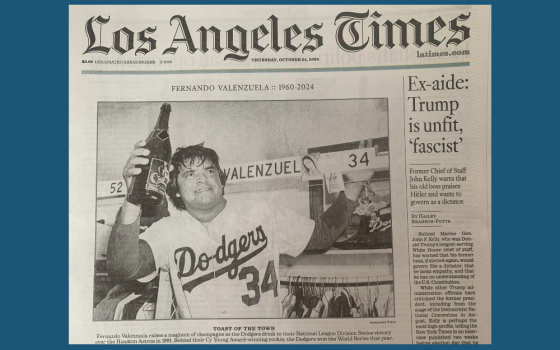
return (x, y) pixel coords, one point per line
(279, 174)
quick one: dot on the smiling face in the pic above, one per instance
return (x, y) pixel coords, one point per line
(199, 186)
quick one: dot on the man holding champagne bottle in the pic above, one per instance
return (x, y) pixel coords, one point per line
(222, 256)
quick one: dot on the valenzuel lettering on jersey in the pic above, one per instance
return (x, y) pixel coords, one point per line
(222, 255)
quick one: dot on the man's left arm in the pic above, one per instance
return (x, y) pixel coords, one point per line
(334, 221)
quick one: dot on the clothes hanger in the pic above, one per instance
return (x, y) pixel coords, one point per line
(358, 299)
(315, 287)
(336, 288)
(369, 297)
(289, 295)
(376, 310)
(341, 286)
(351, 297)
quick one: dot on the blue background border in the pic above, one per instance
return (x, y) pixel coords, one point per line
(36, 235)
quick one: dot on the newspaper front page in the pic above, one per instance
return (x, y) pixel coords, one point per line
(279, 174)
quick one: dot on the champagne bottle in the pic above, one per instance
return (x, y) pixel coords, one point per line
(148, 187)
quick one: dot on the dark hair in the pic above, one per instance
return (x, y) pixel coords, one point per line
(186, 157)
(311, 159)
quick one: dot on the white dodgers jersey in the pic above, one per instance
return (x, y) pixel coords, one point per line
(229, 269)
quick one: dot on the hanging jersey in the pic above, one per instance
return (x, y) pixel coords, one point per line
(229, 268)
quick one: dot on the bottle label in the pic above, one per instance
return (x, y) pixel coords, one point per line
(163, 135)
(158, 177)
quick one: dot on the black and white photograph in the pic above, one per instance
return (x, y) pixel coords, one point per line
(243, 210)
